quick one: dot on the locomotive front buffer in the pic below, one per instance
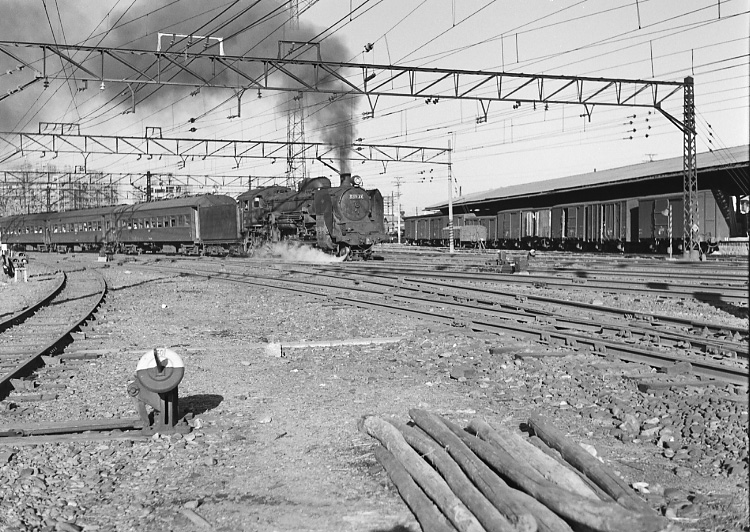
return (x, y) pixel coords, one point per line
(157, 375)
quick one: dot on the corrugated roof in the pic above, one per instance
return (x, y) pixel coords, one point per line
(654, 169)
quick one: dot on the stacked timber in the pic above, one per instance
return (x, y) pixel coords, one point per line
(485, 479)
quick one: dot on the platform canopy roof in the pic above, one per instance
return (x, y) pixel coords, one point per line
(707, 161)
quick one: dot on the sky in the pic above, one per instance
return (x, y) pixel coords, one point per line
(630, 39)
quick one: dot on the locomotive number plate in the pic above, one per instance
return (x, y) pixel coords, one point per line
(356, 196)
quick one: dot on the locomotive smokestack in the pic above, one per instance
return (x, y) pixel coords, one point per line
(346, 179)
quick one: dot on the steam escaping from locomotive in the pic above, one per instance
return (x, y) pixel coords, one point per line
(294, 252)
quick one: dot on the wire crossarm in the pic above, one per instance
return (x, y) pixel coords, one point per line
(189, 148)
(131, 66)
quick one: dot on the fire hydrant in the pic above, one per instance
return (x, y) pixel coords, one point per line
(157, 375)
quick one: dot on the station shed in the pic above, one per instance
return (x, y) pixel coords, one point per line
(630, 204)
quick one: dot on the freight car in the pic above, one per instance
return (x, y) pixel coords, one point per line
(432, 229)
(634, 224)
(717, 216)
(344, 220)
(207, 224)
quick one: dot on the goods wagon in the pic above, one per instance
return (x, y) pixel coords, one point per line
(431, 229)
(715, 220)
(473, 236)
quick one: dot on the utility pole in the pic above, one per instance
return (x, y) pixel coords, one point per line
(450, 198)
(398, 211)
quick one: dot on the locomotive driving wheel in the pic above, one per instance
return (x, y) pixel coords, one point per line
(343, 250)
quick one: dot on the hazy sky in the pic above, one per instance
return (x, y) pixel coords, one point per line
(610, 38)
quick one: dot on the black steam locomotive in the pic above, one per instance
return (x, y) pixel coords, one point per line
(343, 220)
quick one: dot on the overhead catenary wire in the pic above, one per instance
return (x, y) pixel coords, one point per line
(230, 126)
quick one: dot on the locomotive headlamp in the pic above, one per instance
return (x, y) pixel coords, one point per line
(357, 181)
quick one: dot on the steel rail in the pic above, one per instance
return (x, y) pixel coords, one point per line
(701, 293)
(24, 314)
(33, 361)
(661, 337)
(546, 334)
(639, 315)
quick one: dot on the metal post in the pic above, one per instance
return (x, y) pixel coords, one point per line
(691, 243)
(398, 213)
(398, 218)
(450, 199)
(669, 226)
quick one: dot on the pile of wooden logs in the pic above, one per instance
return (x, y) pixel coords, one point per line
(490, 479)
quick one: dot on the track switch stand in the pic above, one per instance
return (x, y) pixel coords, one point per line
(157, 375)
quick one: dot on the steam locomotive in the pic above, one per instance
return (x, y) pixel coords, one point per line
(346, 220)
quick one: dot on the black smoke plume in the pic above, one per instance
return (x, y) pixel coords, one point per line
(248, 28)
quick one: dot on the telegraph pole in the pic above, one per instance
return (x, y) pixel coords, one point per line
(450, 199)
(398, 210)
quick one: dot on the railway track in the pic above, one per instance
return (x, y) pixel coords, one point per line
(645, 341)
(705, 292)
(45, 329)
(582, 261)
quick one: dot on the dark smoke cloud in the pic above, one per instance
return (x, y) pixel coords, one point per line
(26, 20)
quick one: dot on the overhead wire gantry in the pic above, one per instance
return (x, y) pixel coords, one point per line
(371, 81)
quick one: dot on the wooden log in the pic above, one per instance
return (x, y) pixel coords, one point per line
(598, 516)
(428, 515)
(554, 455)
(579, 458)
(427, 478)
(515, 504)
(525, 452)
(195, 518)
(336, 343)
(487, 514)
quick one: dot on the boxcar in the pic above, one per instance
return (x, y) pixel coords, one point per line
(509, 228)
(653, 222)
(472, 236)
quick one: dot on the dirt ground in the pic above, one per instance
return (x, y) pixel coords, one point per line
(275, 446)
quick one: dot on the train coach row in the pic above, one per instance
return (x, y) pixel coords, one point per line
(191, 225)
(346, 219)
(631, 224)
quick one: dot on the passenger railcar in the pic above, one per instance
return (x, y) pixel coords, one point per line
(191, 225)
(207, 224)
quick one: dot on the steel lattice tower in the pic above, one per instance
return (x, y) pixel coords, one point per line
(691, 240)
(296, 167)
